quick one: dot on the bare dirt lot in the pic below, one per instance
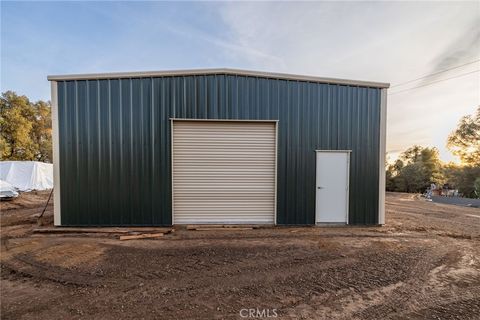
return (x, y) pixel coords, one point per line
(423, 264)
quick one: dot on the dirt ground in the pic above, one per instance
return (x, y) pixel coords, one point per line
(423, 264)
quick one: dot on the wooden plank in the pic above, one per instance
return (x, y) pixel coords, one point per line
(195, 226)
(226, 226)
(142, 236)
(221, 229)
(251, 226)
(79, 230)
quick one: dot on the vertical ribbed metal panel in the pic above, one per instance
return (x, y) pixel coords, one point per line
(115, 142)
(223, 172)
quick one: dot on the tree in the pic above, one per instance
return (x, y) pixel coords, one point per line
(414, 171)
(464, 141)
(425, 164)
(432, 166)
(393, 176)
(25, 128)
(463, 178)
(412, 154)
(42, 131)
(412, 178)
(477, 187)
(15, 125)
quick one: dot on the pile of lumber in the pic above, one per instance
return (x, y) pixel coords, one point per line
(124, 233)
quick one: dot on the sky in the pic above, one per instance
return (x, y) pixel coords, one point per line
(391, 42)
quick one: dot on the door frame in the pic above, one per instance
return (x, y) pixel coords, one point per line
(348, 152)
(275, 122)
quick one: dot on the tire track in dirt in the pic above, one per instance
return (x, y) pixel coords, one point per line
(401, 295)
(24, 266)
(422, 291)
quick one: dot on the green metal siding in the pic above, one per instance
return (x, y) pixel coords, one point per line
(115, 142)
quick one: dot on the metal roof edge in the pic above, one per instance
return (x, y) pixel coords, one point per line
(227, 71)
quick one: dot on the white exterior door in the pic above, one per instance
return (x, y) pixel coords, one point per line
(332, 186)
(224, 172)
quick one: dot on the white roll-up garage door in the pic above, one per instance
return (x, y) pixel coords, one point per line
(224, 172)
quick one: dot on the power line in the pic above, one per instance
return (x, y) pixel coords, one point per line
(435, 73)
(433, 82)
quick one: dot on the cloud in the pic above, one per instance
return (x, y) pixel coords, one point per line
(465, 48)
(237, 51)
(391, 42)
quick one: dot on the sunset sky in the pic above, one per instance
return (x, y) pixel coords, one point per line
(386, 42)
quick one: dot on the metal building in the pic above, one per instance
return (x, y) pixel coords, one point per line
(217, 146)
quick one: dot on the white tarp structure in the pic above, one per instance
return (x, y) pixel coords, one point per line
(7, 190)
(27, 175)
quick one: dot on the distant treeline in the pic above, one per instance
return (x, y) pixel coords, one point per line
(418, 167)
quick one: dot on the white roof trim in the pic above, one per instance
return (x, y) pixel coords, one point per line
(271, 75)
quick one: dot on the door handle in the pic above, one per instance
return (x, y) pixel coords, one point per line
(320, 188)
